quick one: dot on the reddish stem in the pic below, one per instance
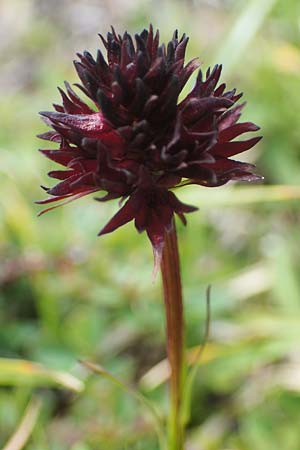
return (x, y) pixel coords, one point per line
(170, 270)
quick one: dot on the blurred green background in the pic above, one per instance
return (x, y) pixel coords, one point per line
(67, 295)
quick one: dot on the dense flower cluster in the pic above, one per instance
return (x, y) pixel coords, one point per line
(139, 141)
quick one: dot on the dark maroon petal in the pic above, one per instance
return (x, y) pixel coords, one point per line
(227, 170)
(62, 157)
(207, 87)
(230, 117)
(178, 206)
(141, 219)
(86, 179)
(168, 180)
(197, 107)
(45, 201)
(123, 216)
(164, 215)
(58, 108)
(188, 70)
(204, 172)
(92, 125)
(181, 48)
(74, 195)
(84, 108)
(156, 231)
(154, 69)
(67, 198)
(84, 165)
(61, 174)
(219, 91)
(227, 149)
(225, 165)
(235, 130)
(64, 188)
(50, 136)
(117, 187)
(68, 106)
(159, 222)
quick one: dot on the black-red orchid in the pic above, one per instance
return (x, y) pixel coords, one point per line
(139, 141)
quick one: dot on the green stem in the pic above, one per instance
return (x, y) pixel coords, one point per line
(170, 270)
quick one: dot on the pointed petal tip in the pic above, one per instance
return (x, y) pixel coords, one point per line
(258, 177)
(249, 178)
(43, 113)
(103, 231)
(123, 216)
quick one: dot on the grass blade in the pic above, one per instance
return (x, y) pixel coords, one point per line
(20, 437)
(242, 32)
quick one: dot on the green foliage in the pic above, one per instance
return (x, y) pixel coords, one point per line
(67, 295)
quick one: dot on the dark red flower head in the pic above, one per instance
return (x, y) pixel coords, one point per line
(139, 141)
